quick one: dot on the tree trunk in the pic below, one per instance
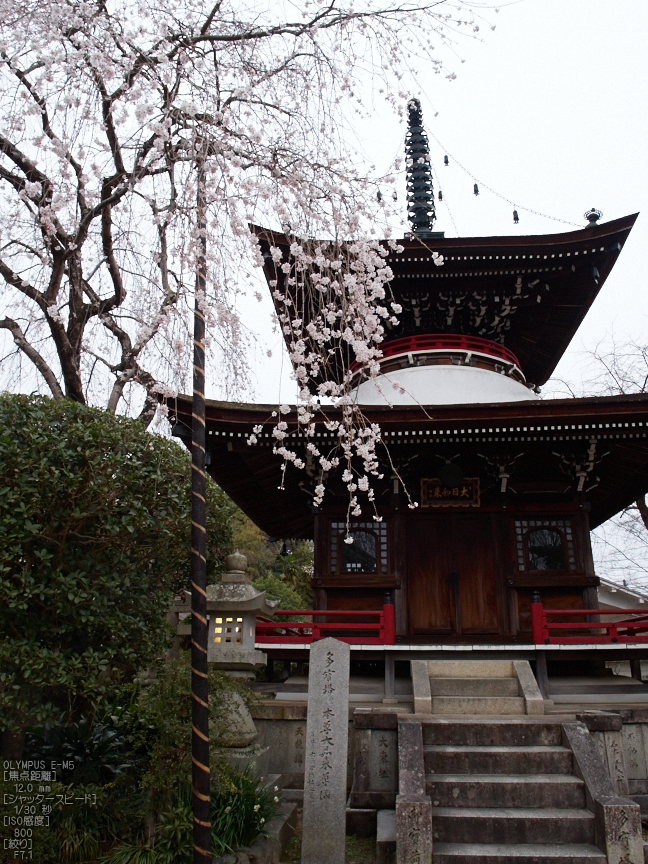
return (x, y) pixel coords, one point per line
(642, 507)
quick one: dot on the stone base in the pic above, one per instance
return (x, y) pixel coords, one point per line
(413, 829)
(242, 758)
(240, 730)
(235, 659)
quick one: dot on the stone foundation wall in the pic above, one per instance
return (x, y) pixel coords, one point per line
(635, 750)
(621, 738)
(282, 735)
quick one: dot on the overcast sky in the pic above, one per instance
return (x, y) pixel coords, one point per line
(549, 110)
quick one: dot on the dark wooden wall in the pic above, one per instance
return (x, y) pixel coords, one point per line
(456, 576)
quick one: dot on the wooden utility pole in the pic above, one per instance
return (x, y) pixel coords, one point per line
(199, 684)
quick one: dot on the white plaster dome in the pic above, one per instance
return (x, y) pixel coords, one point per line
(444, 369)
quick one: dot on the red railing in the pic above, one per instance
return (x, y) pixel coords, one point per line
(628, 630)
(445, 342)
(305, 632)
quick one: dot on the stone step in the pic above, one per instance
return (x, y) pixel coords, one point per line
(273, 783)
(470, 668)
(521, 731)
(492, 705)
(457, 759)
(505, 790)
(283, 826)
(518, 853)
(386, 837)
(474, 687)
(293, 795)
(512, 825)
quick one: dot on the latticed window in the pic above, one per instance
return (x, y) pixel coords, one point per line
(228, 630)
(544, 544)
(367, 553)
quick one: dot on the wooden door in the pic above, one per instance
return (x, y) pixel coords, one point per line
(429, 595)
(472, 557)
(451, 575)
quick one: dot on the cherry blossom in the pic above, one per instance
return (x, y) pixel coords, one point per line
(107, 111)
(114, 114)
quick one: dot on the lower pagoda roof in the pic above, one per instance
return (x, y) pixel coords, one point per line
(593, 451)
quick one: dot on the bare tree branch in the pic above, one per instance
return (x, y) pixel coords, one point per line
(36, 358)
(101, 126)
(642, 507)
(47, 126)
(113, 267)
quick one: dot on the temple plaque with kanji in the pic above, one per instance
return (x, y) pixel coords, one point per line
(435, 493)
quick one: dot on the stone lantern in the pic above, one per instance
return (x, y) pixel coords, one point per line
(233, 606)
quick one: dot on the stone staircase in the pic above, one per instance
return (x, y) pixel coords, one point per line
(481, 780)
(489, 687)
(503, 792)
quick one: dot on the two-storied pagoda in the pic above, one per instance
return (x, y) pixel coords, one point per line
(508, 484)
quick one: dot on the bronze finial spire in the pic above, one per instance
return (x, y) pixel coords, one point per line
(420, 192)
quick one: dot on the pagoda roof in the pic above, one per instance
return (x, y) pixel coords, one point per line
(527, 293)
(543, 435)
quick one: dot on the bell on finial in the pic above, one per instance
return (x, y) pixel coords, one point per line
(476, 189)
(440, 195)
(446, 161)
(516, 218)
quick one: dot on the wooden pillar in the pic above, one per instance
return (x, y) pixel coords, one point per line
(399, 565)
(541, 673)
(320, 559)
(389, 678)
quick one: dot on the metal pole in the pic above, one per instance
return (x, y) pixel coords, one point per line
(199, 685)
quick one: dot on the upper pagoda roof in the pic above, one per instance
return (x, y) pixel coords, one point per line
(527, 293)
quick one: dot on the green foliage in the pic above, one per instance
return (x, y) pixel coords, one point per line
(83, 824)
(94, 541)
(270, 569)
(165, 709)
(98, 752)
(139, 853)
(277, 589)
(240, 808)
(102, 751)
(240, 803)
(174, 829)
(85, 828)
(142, 813)
(296, 569)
